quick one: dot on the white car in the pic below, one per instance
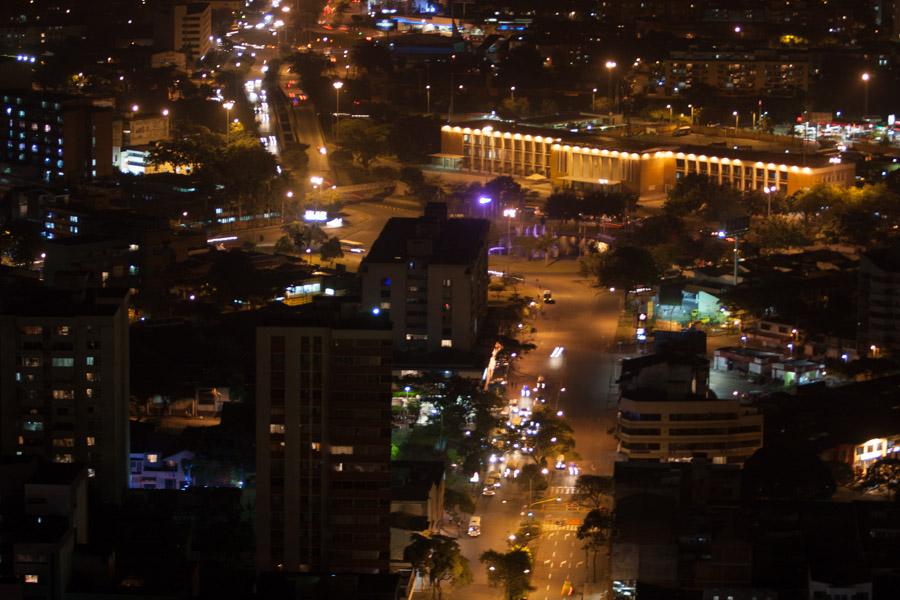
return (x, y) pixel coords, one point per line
(488, 491)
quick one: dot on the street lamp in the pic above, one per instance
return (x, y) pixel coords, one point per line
(512, 93)
(593, 98)
(669, 106)
(865, 79)
(337, 104)
(428, 99)
(289, 194)
(165, 112)
(737, 120)
(510, 214)
(561, 390)
(610, 65)
(691, 106)
(227, 105)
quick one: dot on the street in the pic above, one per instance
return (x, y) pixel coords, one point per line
(583, 321)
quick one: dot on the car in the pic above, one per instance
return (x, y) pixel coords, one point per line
(548, 297)
(488, 491)
(474, 529)
(681, 131)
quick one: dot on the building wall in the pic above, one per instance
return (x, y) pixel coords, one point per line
(193, 27)
(645, 174)
(879, 308)
(323, 449)
(76, 413)
(676, 430)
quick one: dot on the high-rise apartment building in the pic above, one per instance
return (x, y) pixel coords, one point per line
(667, 413)
(64, 381)
(430, 272)
(323, 440)
(184, 27)
(55, 137)
(879, 301)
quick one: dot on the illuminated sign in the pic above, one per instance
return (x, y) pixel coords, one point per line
(315, 215)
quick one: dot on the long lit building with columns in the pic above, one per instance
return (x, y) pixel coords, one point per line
(618, 164)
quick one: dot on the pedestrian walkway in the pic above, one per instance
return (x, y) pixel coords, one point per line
(562, 490)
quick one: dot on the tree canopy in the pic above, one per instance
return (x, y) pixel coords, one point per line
(511, 570)
(438, 557)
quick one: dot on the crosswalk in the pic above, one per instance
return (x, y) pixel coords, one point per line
(562, 490)
(555, 527)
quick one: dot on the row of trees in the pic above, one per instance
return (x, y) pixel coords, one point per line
(239, 164)
(567, 205)
(303, 239)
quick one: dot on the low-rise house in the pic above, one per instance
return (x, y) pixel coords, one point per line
(153, 471)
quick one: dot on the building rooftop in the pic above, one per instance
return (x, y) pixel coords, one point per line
(446, 241)
(42, 301)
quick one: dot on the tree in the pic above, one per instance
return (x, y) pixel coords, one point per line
(594, 532)
(365, 138)
(331, 249)
(544, 244)
(591, 490)
(626, 268)
(458, 501)
(511, 569)
(555, 436)
(439, 558)
(20, 242)
(886, 472)
(304, 237)
(531, 478)
(777, 232)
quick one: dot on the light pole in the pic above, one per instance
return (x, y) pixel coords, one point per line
(593, 98)
(737, 121)
(768, 191)
(512, 93)
(510, 214)
(227, 105)
(289, 194)
(865, 79)
(610, 65)
(337, 105)
(428, 99)
(691, 106)
(560, 391)
(669, 106)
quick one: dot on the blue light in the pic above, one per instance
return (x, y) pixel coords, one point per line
(484, 200)
(376, 311)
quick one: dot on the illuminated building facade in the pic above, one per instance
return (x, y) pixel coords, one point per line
(647, 173)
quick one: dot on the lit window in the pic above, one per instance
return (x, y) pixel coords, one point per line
(276, 428)
(63, 361)
(89, 361)
(32, 579)
(448, 283)
(64, 443)
(90, 376)
(63, 458)
(63, 394)
(89, 392)
(152, 458)
(31, 361)
(446, 343)
(31, 330)
(33, 425)
(132, 270)
(73, 219)
(90, 440)
(315, 446)
(92, 472)
(63, 330)
(342, 449)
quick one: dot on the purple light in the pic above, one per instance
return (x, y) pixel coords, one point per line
(484, 200)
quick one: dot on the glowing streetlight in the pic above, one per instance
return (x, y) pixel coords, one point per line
(428, 99)
(512, 93)
(135, 108)
(610, 65)
(165, 112)
(510, 214)
(865, 79)
(737, 120)
(669, 106)
(593, 97)
(227, 105)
